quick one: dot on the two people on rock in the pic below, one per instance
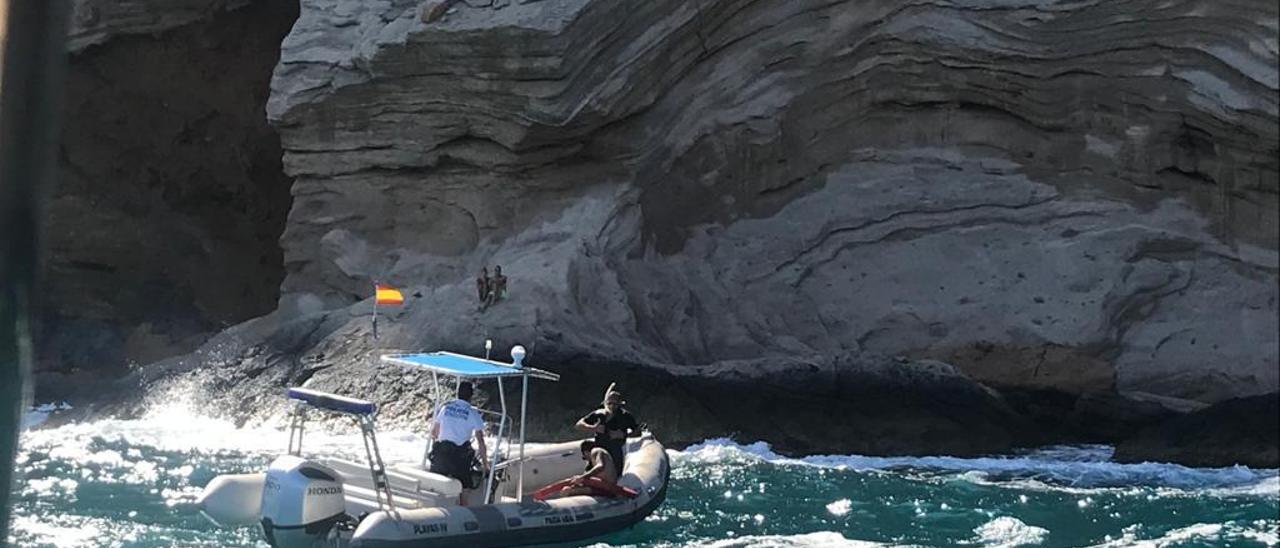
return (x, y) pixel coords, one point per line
(490, 289)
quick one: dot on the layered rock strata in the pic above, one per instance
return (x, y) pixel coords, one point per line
(97, 21)
(1072, 196)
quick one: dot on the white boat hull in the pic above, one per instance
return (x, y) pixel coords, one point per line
(527, 522)
(427, 512)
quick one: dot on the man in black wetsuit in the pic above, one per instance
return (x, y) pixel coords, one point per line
(612, 425)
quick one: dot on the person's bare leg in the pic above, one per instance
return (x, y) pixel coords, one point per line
(571, 491)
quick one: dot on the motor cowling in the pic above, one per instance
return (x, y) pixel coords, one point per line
(302, 501)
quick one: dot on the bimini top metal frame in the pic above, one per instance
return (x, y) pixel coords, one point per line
(363, 412)
(469, 367)
(462, 367)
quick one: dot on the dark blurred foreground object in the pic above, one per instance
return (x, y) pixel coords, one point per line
(33, 33)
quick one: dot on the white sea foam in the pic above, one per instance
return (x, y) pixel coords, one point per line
(174, 426)
(177, 428)
(1008, 532)
(78, 532)
(1265, 531)
(1259, 531)
(40, 413)
(72, 531)
(1268, 487)
(1130, 539)
(52, 486)
(96, 447)
(823, 539)
(1193, 532)
(840, 507)
(1054, 468)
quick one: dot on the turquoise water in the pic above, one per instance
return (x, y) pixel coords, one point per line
(133, 483)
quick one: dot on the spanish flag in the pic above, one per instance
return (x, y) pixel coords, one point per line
(385, 294)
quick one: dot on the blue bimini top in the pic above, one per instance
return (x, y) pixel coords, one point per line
(332, 402)
(467, 367)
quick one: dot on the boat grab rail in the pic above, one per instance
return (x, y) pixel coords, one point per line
(332, 402)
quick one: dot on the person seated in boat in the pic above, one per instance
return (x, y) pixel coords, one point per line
(455, 424)
(612, 424)
(601, 473)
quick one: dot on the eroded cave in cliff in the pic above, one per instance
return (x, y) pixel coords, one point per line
(171, 197)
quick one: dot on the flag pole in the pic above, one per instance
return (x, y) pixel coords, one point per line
(374, 357)
(392, 296)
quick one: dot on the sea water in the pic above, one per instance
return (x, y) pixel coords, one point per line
(134, 483)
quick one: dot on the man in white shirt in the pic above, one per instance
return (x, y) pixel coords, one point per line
(455, 423)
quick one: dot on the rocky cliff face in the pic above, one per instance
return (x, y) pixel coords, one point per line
(95, 22)
(1239, 431)
(1078, 195)
(163, 228)
(1072, 202)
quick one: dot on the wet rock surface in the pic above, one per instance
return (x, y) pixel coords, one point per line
(1244, 431)
(847, 403)
(850, 403)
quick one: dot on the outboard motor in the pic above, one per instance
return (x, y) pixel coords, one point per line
(302, 502)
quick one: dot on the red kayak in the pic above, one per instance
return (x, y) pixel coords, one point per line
(599, 488)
